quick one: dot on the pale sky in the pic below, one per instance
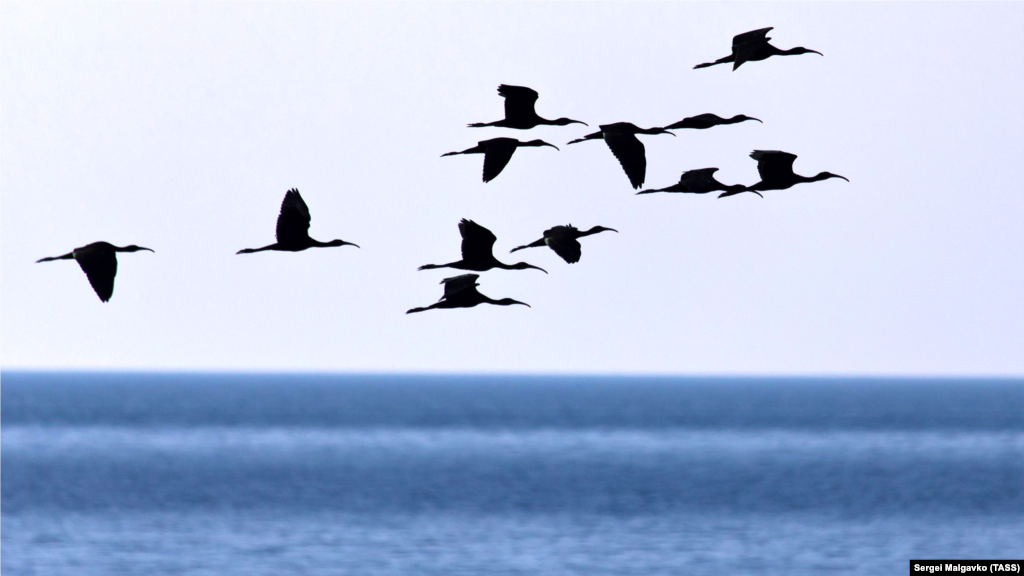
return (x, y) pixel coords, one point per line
(179, 126)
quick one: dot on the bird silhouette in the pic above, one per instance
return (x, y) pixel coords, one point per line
(753, 46)
(293, 228)
(564, 240)
(704, 121)
(622, 141)
(519, 112)
(700, 181)
(477, 251)
(99, 262)
(776, 170)
(461, 292)
(497, 152)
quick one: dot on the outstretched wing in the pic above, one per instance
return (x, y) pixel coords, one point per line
(477, 241)
(456, 284)
(293, 221)
(631, 154)
(100, 266)
(747, 44)
(519, 101)
(773, 164)
(702, 180)
(498, 152)
(562, 240)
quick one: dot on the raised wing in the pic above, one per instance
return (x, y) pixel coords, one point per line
(498, 152)
(456, 284)
(100, 266)
(477, 241)
(631, 155)
(747, 44)
(293, 221)
(519, 101)
(773, 164)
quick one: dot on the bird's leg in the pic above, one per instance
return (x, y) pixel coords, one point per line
(594, 136)
(729, 58)
(68, 256)
(251, 250)
(536, 244)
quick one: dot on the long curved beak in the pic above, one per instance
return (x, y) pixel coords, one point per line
(579, 122)
(752, 118)
(523, 303)
(552, 145)
(843, 177)
(613, 230)
(154, 251)
(538, 268)
(350, 244)
(816, 52)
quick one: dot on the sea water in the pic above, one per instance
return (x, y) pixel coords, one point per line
(235, 474)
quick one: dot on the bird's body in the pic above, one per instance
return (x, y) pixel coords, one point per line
(519, 110)
(776, 170)
(705, 121)
(461, 292)
(497, 152)
(622, 141)
(699, 181)
(99, 262)
(293, 228)
(564, 240)
(753, 46)
(477, 251)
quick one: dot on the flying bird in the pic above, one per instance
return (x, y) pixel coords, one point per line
(293, 228)
(99, 262)
(497, 152)
(519, 112)
(564, 240)
(753, 46)
(461, 292)
(776, 170)
(705, 121)
(477, 251)
(700, 181)
(622, 141)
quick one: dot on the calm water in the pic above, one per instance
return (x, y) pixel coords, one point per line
(366, 475)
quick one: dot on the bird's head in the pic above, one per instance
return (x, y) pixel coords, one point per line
(134, 248)
(827, 175)
(524, 266)
(339, 243)
(509, 302)
(538, 143)
(567, 121)
(743, 118)
(802, 50)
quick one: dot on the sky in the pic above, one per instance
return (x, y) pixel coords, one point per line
(179, 127)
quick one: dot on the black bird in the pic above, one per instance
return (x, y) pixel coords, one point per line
(519, 112)
(704, 121)
(776, 170)
(477, 255)
(460, 292)
(564, 241)
(753, 46)
(497, 152)
(99, 262)
(622, 141)
(700, 181)
(293, 228)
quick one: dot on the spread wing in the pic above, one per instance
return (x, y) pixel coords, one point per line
(498, 152)
(519, 101)
(477, 241)
(456, 284)
(745, 45)
(773, 164)
(100, 266)
(293, 221)
(631, 154)
(562, 240)
(702, 180)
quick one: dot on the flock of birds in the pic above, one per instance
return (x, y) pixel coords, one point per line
(99, 261)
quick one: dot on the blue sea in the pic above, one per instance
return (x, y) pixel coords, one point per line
(219, 474)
